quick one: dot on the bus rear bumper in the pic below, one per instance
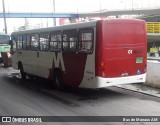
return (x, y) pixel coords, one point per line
(100, 82)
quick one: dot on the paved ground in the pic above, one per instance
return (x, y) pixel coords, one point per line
(38, 98)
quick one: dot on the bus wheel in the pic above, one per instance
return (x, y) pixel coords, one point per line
(58, 81)
(23, 74)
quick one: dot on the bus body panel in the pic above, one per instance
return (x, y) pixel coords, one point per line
(124, 48)
(4, 48)
(74, 70)
(100, 82)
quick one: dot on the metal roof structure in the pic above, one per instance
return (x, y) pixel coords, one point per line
(76, 15)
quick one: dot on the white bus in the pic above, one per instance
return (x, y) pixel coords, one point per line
(94, 54)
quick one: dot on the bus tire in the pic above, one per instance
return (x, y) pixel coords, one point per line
(23, 74)
(58, 80)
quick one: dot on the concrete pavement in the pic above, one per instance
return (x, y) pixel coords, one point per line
(142, 88)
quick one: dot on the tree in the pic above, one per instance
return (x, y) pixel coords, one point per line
(22, 28)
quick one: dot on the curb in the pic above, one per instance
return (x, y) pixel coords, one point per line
(143, 92)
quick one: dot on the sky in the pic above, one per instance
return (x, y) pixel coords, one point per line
(74, 5)
(68, 6)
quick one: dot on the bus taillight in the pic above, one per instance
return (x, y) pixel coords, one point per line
(103, 68)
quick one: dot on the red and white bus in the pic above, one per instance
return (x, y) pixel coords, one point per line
(93, 54)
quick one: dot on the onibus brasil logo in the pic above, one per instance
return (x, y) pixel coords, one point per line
(21, 119)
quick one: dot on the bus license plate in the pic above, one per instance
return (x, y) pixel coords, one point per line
(139, 60)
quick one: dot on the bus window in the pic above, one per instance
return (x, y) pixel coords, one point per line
(14, 46)
(4, 39)
(28, 42)
(70, 40)
(34, 42)
(44, 41)
(56, 41)
(19, 42)
(85, 40)
(24, 41)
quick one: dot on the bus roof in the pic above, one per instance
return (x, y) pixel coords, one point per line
(75, 26)
(2, 34)
(56, 28)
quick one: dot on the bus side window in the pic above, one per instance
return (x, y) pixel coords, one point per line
(44, 41)
(34, 42)
(85, 40)
(28, 42)
(19, 42)
(24, 37)
(70, 40)
(56, 41)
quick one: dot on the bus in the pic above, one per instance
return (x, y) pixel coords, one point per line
(4, 44)
(94, 54)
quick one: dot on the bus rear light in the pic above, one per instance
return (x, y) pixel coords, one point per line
(102, 63)
(103, 74)
(102, 66)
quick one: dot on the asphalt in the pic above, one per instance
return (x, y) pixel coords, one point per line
(35, 97)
